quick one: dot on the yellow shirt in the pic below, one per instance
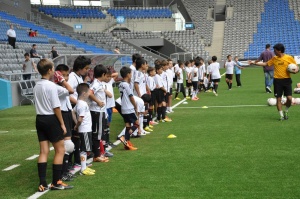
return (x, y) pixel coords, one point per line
(280, 66)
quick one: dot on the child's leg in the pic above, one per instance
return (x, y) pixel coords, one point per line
(69, 148)
(177, 90)
(58, 160)
(163, 110)
(170, 100)
(42, 162)
(182, 90)
(216, 84)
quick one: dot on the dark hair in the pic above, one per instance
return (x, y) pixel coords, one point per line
(168, 60)
(81, 62)
(157, 62)
(44, 66)
(197, 63)
(150, 69)
(139, 62)
(280, 47)
(146, 98)
(268, 46)
(125, 71)
(117, 47)
(62, 67)
(108, 72)
(53, 47)
(33, 45)
(157, 67)
(214, 58)
(135, 56)
(81, 88)
(163, 63)
(192, 60)
(26, 54)
(228, 56)
(99, 71)
(187, 63)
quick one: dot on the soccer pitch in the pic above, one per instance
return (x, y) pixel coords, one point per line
(235, 148)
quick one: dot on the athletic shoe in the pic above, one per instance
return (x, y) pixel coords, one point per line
(177, 98)
(167, 120)
(87, 173)
(147, 132)
(89, 164)
(281, 119)
(76, 166)
(194, 99)
(171, 111)
(60, 185)
(108, 154)
(71, 175)
(187, 97)
(167, 111)
(112, 145)
(91, 155)
(162, 121)
(148, 129)
(130, 148)
(150, 126)
(143, 133)
(42, 188)
(214, 92)
(91, 170)
(268, 89)
(153, 123)
(286, 115)
(66, 178)
(100, 159)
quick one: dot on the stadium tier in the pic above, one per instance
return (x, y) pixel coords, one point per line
(141, 12)
(72, 12)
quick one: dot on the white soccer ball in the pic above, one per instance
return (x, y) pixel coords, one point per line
(283, 100)
(293, 68)
(297, 101)
(271, 101)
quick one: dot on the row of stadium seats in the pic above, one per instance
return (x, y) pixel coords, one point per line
(141, 13)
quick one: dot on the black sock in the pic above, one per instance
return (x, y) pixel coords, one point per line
(150, 114)
(56, 168)
(76, 141)
(189, 91)
(176, 95)
(159, 111)
(42, 169)
(96, 148)
(216, 87)
(163, 112)
(230, 85)
(127, 133)
(65, 164)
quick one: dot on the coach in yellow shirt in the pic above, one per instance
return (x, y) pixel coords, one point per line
(282, 78)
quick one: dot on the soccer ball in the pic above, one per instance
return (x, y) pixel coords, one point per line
(271, 101)
(293, 68)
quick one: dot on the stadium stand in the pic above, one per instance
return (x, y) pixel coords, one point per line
(141, 12)
(137, 35)
(72, 12)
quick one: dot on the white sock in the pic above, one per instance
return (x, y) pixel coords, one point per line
(141, 121)
(83, 160)
(281, 113)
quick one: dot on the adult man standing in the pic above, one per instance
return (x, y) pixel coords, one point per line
(11, 34)
(265, 56)
(33, 53)
(28, 65)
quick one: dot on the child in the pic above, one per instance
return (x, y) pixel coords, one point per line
(80, 69)
(229, 65)
(188, 79)
(215, 74)
(84, 126)
(164, 76)
(160, 95)
(110, 103)
(202, 74)
(152, 86)
(170, 75)
(195, 80)
(180, 86)
(237, 70)
(61, 77)
(98, 111)
(28, 65)
(133, 69)
(140, 85)
(50, 126)
(128, 108)
(208, 79)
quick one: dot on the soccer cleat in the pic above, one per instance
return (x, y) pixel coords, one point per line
(286, 115)
(130, 148)
(66, 178)
(100, 159)
(148, 129)
(111, 145)
(108, 154)
(146, 132)
(268, 89)
(89, 164)
(87, 173)
(177, 98)
(187, 97)
(161, 121)
(71, 175)
(143, 133)
(66, 186)
(153, 123)
(150, 126)
(194, 99)
(91, 170)
(167, 120)
(42, 188)
(77, 166)
(281, 119)
(56, 187)
(171, 111)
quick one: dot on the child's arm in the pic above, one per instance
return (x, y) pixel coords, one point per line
(79, 121)
(95, 99)
(133, 103)
(137, 89)
(108, 94)
(68, 87)
(74, 116)
(57, 113)
(115, 76)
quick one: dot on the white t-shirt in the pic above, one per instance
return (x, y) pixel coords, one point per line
(151, 83)
(175, 68)
(180, 77)
(194, 74)
(82, 110)
(110, 102)
(125, 92)
(140, 105)
(45, 97)
(158, 81)
(170, 75)
(140, 79)
(98, 87)
(165, 81)
(11, 33)
(201, 72)
(187, 72)
(63, 95)
(229, 67)
(215, 72)
(209, 68)
(133, 73)
(74, 81)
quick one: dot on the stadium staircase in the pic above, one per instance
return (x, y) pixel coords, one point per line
(217, 40)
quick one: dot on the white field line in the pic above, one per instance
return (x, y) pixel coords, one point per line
(11, 167)
(233, 106)
(32, 157)
(3, 132)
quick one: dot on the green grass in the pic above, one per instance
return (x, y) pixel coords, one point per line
(224, 152)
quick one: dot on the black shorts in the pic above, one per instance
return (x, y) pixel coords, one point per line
(195, 85)
(171, 91)
(175, 78)
(215, 80)
(201, 80)
(86, 141)
(68, 120)
(153, 97)
(48, 128)
(160, 96)
(130, 118)
(99, 124)
(229, 76)
(282, 87)
(187, 84)
(167, 97)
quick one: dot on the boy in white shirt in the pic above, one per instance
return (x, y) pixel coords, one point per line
(229, 65)
(188, 79)
(98, 112)
(170, 74)
(50, 126)
(215, 74)
(195, 80)
(202, 74)
(133, 69)
(152, 86)
(83, 126)
(180, 86)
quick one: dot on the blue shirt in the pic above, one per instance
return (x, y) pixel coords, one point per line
(237, 70)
